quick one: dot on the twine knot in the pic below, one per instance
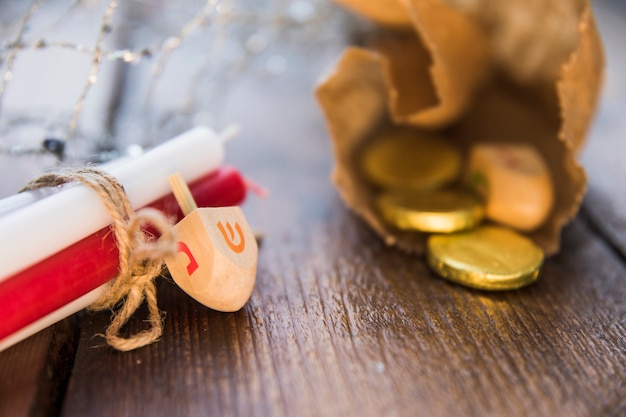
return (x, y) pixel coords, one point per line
(140, 254)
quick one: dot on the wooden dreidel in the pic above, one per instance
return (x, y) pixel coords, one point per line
(217, 253)
(515, 181)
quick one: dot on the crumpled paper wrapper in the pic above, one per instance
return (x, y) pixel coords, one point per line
(435, 69)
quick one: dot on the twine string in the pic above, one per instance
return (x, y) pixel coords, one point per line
(140, 255)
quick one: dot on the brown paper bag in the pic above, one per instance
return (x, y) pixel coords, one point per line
(442, 75)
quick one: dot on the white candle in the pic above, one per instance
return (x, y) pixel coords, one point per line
(41, 229)
(17, 201)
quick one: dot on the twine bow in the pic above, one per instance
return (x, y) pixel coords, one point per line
(140, 255)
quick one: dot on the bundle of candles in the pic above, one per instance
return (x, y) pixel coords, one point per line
(59, 254)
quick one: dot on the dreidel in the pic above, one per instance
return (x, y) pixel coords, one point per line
(516, 183)
(217, 253)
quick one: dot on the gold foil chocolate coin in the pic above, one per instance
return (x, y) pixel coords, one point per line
(440, 211)
(409, 158)
(487, 258)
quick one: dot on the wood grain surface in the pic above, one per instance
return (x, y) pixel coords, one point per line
(339, 324)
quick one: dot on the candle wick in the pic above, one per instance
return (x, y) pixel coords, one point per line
(229, 133)
(256, 188)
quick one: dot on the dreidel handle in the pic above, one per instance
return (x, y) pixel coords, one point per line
(182, 193)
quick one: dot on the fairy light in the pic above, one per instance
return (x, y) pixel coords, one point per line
(10, 61)
(254, 31)
(92, 77)
(224, 14)
(171, 44)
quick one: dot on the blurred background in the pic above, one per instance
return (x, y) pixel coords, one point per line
(88, 81)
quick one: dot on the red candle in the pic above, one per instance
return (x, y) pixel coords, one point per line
(45, 287)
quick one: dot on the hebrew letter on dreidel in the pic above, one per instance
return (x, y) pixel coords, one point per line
(223, 248)
(238, 248)
(193, 264)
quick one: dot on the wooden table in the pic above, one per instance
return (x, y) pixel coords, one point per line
(339, 324)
